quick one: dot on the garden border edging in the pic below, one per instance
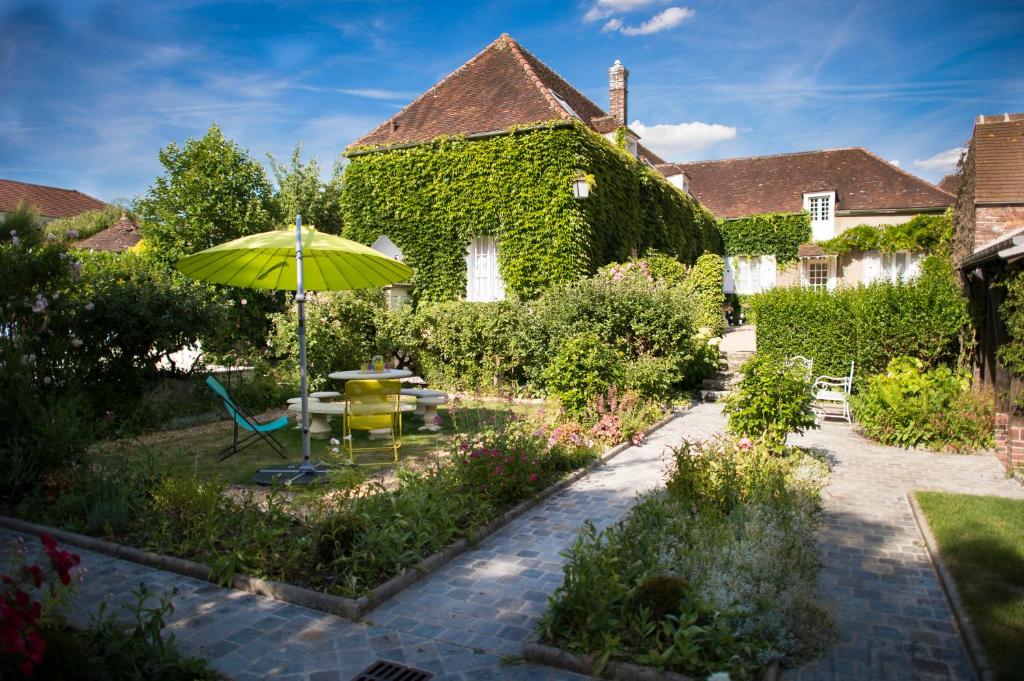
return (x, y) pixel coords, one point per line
(350, 608)
(551, 656)
(968, 634)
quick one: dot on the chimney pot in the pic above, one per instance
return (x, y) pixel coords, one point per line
(618, 91)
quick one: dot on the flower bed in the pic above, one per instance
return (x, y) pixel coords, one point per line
(713, 573)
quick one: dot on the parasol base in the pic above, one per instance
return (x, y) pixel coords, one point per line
(292, 474)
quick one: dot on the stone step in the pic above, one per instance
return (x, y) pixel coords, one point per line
(719, 383)
(714, 395)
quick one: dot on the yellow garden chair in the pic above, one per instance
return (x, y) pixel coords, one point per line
(372, 405)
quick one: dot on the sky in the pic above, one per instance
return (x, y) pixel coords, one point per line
(91, 91)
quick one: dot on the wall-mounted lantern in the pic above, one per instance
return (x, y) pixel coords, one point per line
(580, 187)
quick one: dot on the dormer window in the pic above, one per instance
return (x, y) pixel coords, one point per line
(822, 207)
(680, 180)
(564, 104)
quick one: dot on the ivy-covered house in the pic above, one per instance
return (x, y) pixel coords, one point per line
(504, 178)
(776, 210)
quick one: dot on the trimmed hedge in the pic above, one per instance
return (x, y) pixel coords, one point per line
(778, 234)
(432, 198)
(923, 318)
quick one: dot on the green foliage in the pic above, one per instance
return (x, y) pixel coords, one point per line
(773, 400)
(487, 347)
(301, 191)
(778, 234)
(909, 406)
(431, 199)
(705, 280)
(583, 368)
(925, 318)
(84, 225)
(341, 333)
(1011, 311)
(714, 573)
(928, 233)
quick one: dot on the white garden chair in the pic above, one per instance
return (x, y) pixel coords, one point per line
(804, 363)
(832, 396)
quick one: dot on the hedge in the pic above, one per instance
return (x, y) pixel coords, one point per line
(431, 199)
(778, 234)
(923, 318)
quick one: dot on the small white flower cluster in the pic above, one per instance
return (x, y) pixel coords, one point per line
(15, 239)
(41, 304)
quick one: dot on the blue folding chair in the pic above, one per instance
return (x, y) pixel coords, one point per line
(246, 421)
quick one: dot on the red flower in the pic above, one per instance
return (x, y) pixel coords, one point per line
(36, 573)
(48, 541)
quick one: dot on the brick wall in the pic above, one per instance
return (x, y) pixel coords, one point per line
(1009, 442)
(992, 222)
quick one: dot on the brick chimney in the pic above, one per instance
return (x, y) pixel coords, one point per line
(618, 91)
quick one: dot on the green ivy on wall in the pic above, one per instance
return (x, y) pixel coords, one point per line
(778, 234)
(431, 199)
(926, 233)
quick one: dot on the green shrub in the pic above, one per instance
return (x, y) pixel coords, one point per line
(924, 318)
(928, 233)
(715, 573)
(705, 280)
(583, 368)
(84, 225)
(909, 406)
(1011, 311)
(773, 400)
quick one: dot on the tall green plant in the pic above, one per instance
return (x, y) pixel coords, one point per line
(301, 191)
(773, 400)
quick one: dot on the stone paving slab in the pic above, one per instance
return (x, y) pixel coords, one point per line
(467, 621)
(893, 621)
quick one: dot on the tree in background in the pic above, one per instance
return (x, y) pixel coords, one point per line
(300, 190)
(212, 191)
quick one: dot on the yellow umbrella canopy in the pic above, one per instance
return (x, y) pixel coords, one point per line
(267, 260)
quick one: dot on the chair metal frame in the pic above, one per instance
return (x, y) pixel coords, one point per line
(244, 418)
(390, 405)
(833, 385)
(806, 363)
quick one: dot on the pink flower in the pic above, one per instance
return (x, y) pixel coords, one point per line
(745, 443)
(533, 477)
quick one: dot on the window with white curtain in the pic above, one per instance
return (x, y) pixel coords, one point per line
(483, 280)
(754, 273)
(892, 267)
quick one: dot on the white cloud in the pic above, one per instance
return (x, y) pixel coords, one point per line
(612, 25)
(662, 21)
(895, 162)
(944, 160)
(374, 93)
(680, 139)
(605, 8)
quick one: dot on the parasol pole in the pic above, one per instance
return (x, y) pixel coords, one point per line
(300, 298)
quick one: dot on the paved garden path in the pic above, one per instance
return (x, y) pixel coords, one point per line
(459, 622)
(893, 620)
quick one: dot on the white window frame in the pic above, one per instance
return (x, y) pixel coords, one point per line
(483, 276)
(830, 272)
(823, 220)
(891, 267)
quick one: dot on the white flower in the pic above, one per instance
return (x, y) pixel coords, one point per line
(719, 676)
(72, 233)
(334, 450)
(56, 295)
(15, 240)
(76, 342)
(51, 237)
(244, 301)
(47, 380)
(89, 307)
(335, 441)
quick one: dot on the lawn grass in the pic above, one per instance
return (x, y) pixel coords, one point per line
(982, 542)
(194, 450)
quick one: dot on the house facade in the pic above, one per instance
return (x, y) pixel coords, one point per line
(50, 202)
(837, 188)
(988, 245)
(503, 179)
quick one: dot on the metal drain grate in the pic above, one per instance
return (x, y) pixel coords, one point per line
(382, 670)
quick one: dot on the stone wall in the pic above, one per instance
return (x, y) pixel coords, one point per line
(1009, 442)
(993, 222)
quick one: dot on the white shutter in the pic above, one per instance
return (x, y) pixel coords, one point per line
(729, 280)
(471, 270)
(914, 265)
(483, 281)
(768, 271)
(871, 267)
(833, 274)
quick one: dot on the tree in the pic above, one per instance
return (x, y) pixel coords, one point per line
(212, 191)
(300, 190)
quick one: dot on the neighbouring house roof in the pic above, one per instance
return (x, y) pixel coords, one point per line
(120, 236)
(999, 159)
(50, 202)
(951, 183)
(735, 187)
(501, 87)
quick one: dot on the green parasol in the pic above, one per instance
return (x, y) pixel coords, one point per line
(296, 262)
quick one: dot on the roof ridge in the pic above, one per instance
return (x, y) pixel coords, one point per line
(906, 172)
(433, 87)
(47, 186)
(545, 92)
(748, 158)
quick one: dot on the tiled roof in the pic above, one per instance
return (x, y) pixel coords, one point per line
(120, 236)
(776, 184)
(502, 86)
(51, 202)
(951, 183)
(999, 158)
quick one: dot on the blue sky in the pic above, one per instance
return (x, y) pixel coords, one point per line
(90, 91)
